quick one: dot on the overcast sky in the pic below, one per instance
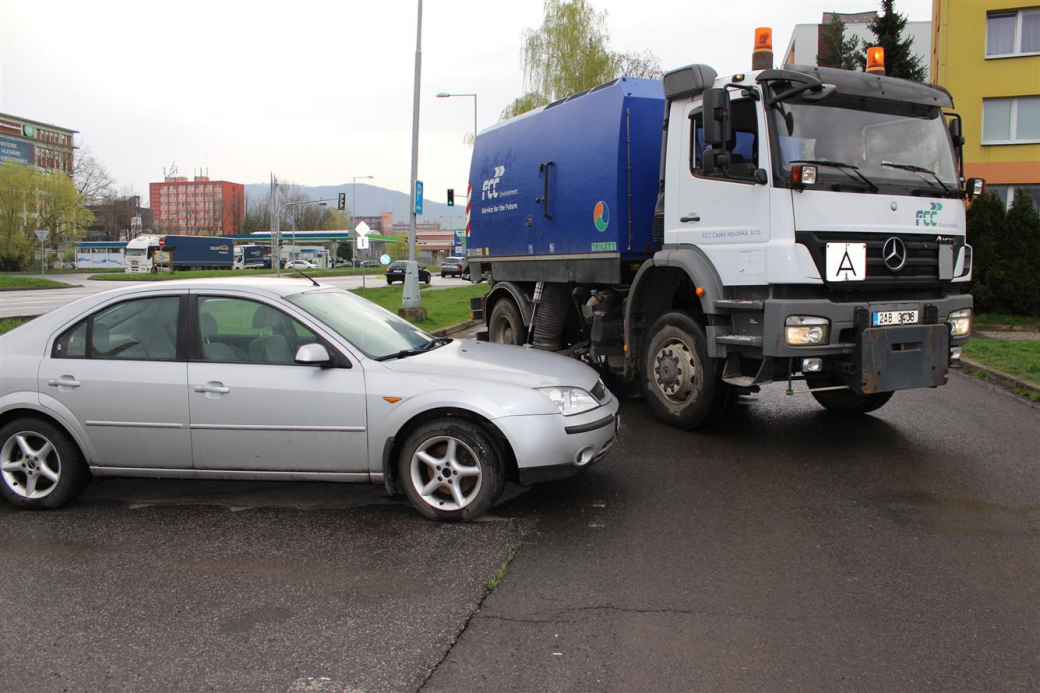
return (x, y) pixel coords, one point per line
(321, 91)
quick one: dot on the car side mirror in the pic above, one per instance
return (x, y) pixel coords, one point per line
(313, 355)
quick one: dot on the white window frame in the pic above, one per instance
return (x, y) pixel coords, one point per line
(1017, 46)
(1013, 125)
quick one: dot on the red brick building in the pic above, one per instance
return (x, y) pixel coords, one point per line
(200, 207)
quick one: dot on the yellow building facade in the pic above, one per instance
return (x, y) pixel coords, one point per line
(987, 54)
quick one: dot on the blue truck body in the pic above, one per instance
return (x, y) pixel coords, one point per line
(202, 252)
(601, 153)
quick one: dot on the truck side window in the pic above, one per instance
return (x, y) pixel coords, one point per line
(743, 147)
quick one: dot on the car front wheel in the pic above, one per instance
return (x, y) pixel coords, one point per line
(40, 465)
(451, 470)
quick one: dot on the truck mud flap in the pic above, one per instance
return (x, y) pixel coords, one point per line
(901, 358)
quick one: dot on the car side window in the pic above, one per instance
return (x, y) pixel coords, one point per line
(141, 329)
(236, 330)
(743, 146)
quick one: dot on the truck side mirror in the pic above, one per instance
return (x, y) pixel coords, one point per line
(974, 187)
(955, 133)
(718, 128)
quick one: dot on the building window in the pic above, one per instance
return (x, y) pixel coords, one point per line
(1007, 193)
(1013, 33)
(1011, 121)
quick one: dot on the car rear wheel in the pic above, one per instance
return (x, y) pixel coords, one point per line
(451, 470)
(40, 465)
(389, 281)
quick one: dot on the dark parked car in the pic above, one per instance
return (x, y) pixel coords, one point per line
(453, 266)
(395, 272)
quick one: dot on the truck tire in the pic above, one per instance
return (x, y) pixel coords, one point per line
(506, 325)
(846, 402)
(683, 386)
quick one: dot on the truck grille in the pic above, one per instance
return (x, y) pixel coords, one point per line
(922, 263)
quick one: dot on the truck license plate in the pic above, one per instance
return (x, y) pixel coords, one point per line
(895, 317)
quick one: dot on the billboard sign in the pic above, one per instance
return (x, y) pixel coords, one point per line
(17, 151)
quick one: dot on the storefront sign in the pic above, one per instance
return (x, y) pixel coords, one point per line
(17, 150)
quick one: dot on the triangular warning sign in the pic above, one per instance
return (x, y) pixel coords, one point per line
(846, 264)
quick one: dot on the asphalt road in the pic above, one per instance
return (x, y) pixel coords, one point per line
(38, 301)
(787, 549)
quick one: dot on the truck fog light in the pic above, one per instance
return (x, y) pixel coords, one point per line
(806, 330)
(955, 354)
(812, 365)
(960, 322)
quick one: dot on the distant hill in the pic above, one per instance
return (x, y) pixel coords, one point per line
(373, 200)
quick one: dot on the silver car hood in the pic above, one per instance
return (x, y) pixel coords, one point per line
(498, 363)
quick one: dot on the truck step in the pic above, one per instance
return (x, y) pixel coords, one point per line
(738, 340)
(740, 380)
(735, 304)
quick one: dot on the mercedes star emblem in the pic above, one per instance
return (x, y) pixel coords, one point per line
(894, 254)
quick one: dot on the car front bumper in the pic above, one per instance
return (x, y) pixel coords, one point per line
(551, 447)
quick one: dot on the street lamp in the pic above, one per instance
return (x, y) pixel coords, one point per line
(276, 260)
(320, 204)
(445, 95)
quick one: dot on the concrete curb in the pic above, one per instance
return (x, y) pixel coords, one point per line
(1008, 382)
(455, 329)
(41, 288)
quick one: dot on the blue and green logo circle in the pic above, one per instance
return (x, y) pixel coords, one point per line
(601, 215)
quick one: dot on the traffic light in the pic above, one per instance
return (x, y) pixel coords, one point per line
(451, 197)
(342, 201)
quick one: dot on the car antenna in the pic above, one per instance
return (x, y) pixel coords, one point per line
(311, 278)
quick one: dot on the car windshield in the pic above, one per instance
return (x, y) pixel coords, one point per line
(373, 330)
(901, 149)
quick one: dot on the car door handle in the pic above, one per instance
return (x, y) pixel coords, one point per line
(63, 381)
(690, 217)
(213, 387)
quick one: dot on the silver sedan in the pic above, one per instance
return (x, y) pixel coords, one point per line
(284, 379)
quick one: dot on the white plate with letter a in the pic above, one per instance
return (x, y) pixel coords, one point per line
(846, 262)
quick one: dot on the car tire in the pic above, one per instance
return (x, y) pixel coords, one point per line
(428, 280)
(451, 470)
(683, 386)
(35, 452)
(506, 326)
(846, 402)
(389, 282)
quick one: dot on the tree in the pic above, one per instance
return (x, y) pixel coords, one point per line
(836, 50)
(569, 53)
(31, 199)
(1022, 255)
(900, 60)
(92, 179)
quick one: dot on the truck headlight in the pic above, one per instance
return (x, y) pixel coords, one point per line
(570, 400)
(806, 330)
(960, 322)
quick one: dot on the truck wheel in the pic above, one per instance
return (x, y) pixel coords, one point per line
(506, 326)
(683, 386)
(846, 401)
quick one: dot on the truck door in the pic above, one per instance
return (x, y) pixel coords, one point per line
(726, 214)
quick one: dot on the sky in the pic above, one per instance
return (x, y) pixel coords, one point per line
(320, 91)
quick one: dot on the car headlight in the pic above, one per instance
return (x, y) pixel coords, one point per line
(806, 330)
(570, 400)
(960, 322)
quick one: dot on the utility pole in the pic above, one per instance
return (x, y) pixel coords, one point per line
(276, 237)
(411, 305)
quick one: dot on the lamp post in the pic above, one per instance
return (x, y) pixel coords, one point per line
(445, 95)
(276, 260)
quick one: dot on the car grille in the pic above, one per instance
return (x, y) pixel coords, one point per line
(922, 263)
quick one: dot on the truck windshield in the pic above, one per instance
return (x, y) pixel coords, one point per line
(136, 252)
(901, 149)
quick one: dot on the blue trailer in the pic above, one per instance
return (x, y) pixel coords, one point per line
(567, 193)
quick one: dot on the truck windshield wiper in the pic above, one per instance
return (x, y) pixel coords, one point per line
(919, 169)
(840, 165)
(429, 346)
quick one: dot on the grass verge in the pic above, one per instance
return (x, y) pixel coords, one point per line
(376, 272)
(1020, 358)
(444, 307)
(8, 281)
(7, 324)
(983, 321)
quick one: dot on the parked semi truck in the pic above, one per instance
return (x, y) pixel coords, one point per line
(248, 257)
(174, 253)
(795, 224)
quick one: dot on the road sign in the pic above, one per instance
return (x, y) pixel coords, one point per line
(362, 243)
(41, 234)
(384, 259)
(162, 241)
(418, 197)
(362, 229)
